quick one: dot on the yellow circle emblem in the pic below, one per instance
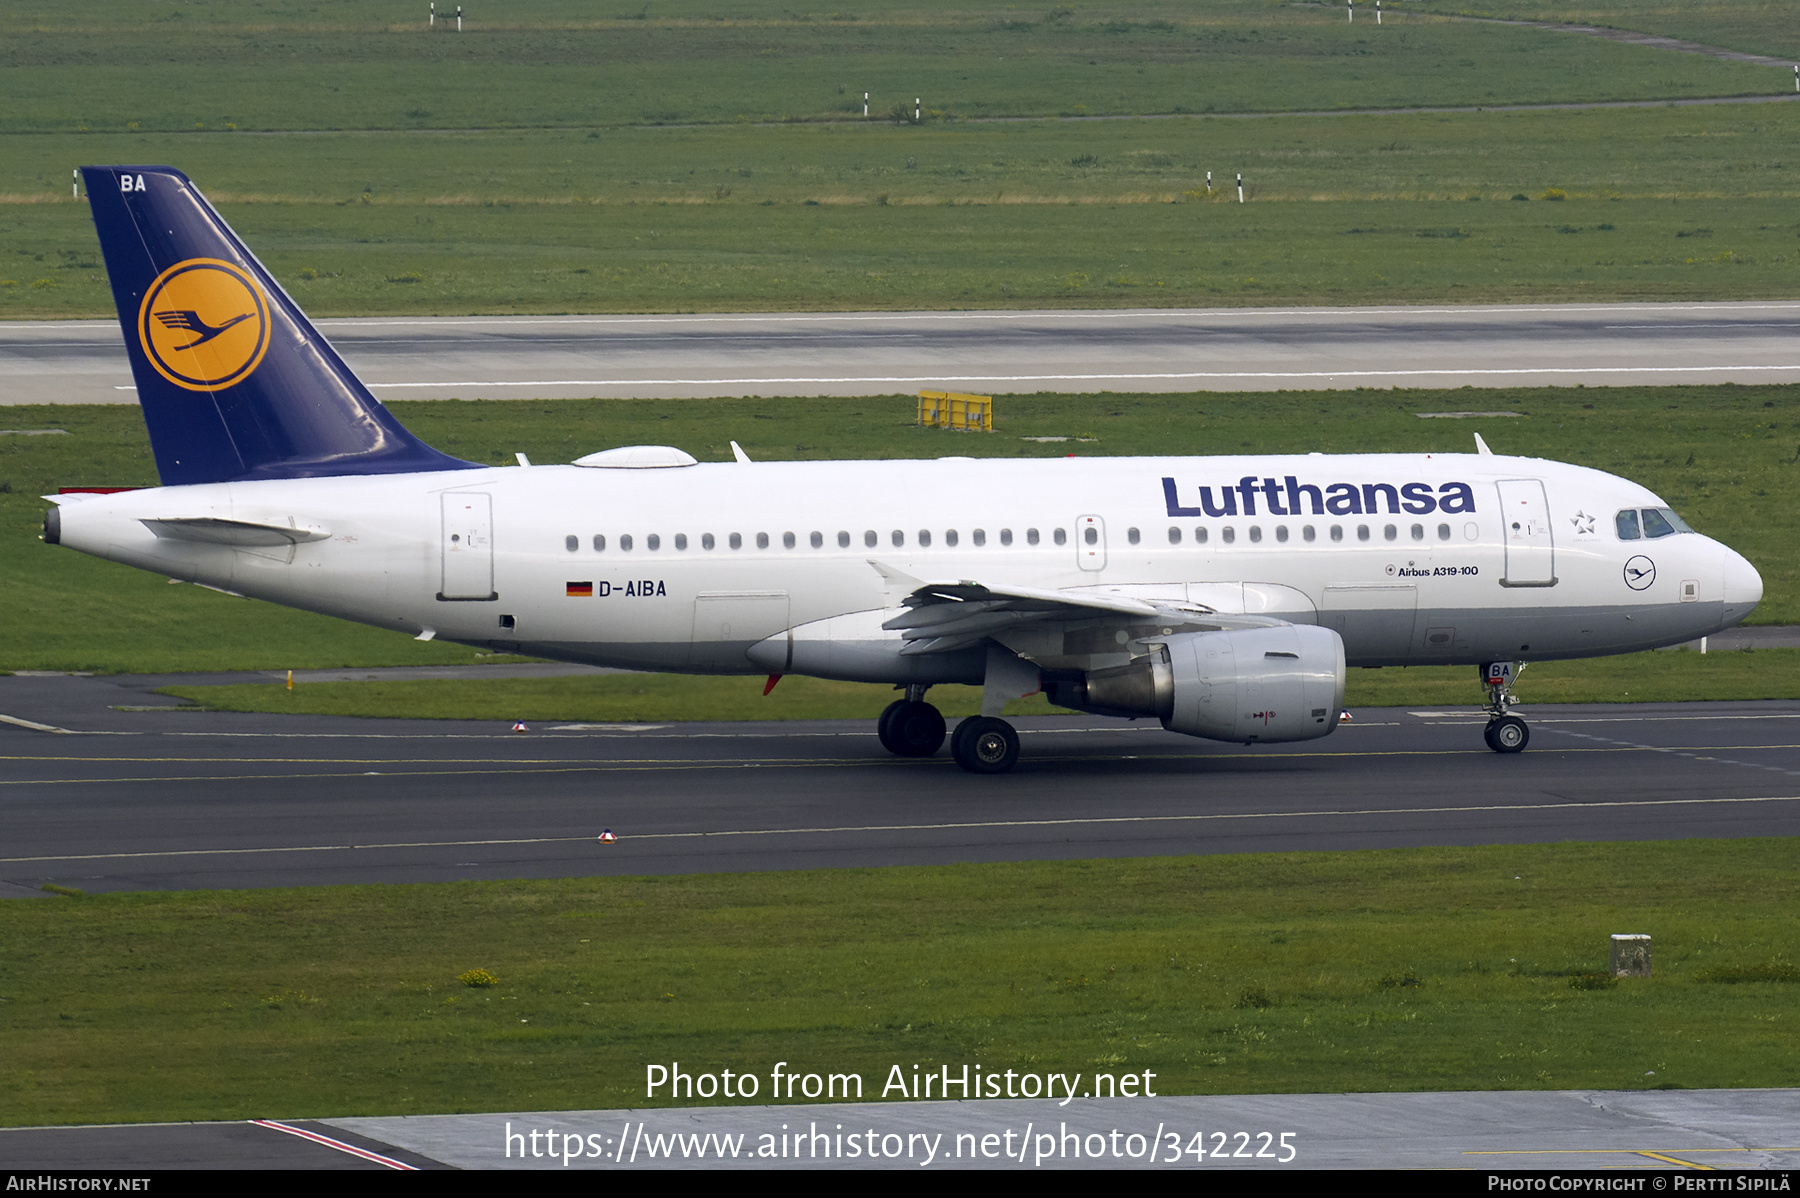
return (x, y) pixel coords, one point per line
(204, 324)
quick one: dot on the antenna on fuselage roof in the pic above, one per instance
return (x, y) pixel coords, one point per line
(1481, 447)
(737, 451)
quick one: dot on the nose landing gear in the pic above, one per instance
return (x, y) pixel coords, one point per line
(1504, 733)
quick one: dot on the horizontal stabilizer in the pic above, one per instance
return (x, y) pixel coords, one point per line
(212, 530)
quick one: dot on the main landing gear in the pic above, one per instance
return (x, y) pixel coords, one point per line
(911, 727)
(1504, 733)
(985, 745)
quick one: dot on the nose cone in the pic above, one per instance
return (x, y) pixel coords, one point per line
(1743, 587)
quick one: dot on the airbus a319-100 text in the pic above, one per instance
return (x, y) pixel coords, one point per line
(1223, 596)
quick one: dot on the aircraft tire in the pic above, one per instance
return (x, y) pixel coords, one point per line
(883, 722)
(984, 745)
(1508, 734)
(915, 729)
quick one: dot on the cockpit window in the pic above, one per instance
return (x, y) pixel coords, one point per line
(1657, 522)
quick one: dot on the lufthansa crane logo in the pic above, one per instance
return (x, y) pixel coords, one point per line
(204, 324)
(1640, 572)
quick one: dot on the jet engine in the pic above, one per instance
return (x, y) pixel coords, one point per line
(1250, 684)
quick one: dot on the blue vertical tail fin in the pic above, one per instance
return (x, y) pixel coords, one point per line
(234, 381)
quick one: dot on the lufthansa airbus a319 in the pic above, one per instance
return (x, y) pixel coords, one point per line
(1224, 596)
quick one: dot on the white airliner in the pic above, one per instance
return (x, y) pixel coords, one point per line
(1222, 595)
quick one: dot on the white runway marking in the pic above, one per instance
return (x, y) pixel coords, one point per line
(1169, 376)
(1081, 821)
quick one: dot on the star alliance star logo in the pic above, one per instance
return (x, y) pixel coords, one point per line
(1584, 524)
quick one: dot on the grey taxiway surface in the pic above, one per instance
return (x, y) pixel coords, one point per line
(1573, 1130)
(104, 799)
(1233, 349)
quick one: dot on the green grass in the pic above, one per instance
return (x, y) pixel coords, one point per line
(1635, 678)
(1753, 26)
(94, 66)
(1725, 457)
(344, 1000)
(1694, 203)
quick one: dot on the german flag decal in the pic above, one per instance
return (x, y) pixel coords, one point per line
(584, 590)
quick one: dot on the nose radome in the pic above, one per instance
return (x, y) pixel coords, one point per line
(1743, 586)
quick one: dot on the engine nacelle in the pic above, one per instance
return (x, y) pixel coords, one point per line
(1251, 684)
(1257, 684)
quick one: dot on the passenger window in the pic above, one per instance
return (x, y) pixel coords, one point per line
(1337, 532)
(1131, 534)
(1031, 536)
(1092, 535)
(817, 540)
(1655, 525)
(869, 538)
(979, 536)
(571, 543)
(1443, 532)
(1174, 535)
(653, 542)
(736, 541)
(843, 540)
(762, 540)
(1060, 536)
(1362, 532)
(1308, 533)
(1006, 536)
(1281, 533)
(1228, 534)
(1256, 533)
(681, 540)
(787, 540)
(625, 542)
(1200, 536)
(950, 538)
(924, 538)
(1389, 533)
(706, 540)
(899, 538)
(599, 543)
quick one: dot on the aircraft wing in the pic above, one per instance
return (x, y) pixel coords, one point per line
(940, 617)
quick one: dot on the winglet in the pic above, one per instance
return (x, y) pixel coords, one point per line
(1481, 447)
(737, 451)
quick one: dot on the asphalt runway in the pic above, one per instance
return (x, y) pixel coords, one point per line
(841, 354)
(160, 799)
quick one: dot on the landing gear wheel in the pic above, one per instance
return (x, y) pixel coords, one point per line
(912, 728)
(882, 723)
(1508, 734)
(984, 745)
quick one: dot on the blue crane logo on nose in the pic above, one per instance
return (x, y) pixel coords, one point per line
(1640, 572)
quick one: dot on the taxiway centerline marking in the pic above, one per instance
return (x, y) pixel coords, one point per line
(1072, 821)
(609, 762)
